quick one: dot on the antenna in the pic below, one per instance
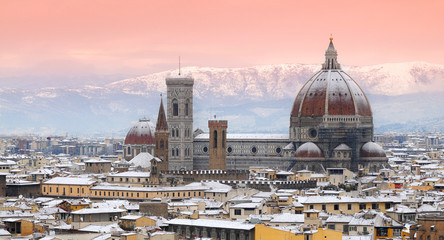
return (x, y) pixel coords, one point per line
(179, 65)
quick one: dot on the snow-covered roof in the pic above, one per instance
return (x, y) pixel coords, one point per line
(70, 181)
(142, 160)
(131, 174)
(130, 217)
(287, 218)
(212, 223)
(345, 199)
(102, 229)
(147, 189)
(342, 147)
(94, 160)
(98, 211)
(247, 136)
(339, 218)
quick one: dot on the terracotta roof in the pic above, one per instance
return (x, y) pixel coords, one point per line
(141, 133)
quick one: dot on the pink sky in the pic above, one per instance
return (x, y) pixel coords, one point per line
(53, 37)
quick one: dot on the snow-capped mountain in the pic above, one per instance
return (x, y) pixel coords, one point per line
(253, 99)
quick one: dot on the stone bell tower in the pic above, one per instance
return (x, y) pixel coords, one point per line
(180, 122)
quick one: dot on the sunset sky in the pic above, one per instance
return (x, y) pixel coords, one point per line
(49, 40)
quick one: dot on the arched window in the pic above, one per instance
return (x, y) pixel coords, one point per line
(175, 107)
(187, 107)
(161, 144)
(177, 132)
(215, 139)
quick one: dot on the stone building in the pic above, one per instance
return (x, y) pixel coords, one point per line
(214, 229)
(180, 122)
(428, 227)
(97, 166)
(331, 126)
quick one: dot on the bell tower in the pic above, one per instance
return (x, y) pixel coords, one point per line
(218, 144)
(180, 122)
(161, 134)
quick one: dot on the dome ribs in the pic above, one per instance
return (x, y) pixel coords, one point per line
(340, 101)
(141, 133)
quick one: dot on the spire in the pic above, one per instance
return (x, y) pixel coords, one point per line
(331, 56)
(161, 124)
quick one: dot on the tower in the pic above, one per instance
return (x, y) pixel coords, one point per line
(218, 144)
(161, 136)
(180, 122)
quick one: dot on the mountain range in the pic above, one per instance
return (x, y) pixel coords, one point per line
(405, 97)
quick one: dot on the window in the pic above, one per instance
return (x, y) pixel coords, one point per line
(215, 139)
(223, 139)
(161, 144)
(175, 107)
(336, 207)
(375, 206)
(387, 205)
(44, 189)
(237, 212)
(254, 150)
(331, 226)
(349, 206)
(362, 206)
(311, 206)
(187, 107)
(323, 207)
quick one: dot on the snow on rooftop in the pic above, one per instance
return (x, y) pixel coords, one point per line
(287, 218)
(70, 181)
(212, 223)
(98, 211)
(131, 174)
(142, 160)
(102, 229)
(249, 136)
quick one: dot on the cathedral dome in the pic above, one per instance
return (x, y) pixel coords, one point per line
(141, 133)
(372, 150)
(331, 92)
(309, 150)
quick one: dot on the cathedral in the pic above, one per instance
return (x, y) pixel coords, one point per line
(331, 126)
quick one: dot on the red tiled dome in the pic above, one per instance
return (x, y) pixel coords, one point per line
(331, 92)
(141, 133)
(309, 150)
